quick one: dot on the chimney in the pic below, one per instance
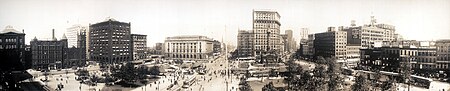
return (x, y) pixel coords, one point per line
(53, 34)
(331, 29)
(23, 30)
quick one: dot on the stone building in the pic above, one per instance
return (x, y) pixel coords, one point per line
(110, 42)
(188, 48)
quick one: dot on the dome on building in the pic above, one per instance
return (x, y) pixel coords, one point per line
(9, 29)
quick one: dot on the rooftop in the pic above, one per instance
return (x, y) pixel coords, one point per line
(10, 29)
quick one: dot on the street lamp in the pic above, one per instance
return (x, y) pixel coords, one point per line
(80, 85)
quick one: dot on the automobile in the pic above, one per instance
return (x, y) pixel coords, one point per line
(109, 84)
(89, 82)
(74, 68)
(59, 70)
(170, 86)
(45, 70)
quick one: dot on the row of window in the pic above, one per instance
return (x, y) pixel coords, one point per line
(13, 40)
(186, 51)
(186, 56)
(430, 66)
(9, 46)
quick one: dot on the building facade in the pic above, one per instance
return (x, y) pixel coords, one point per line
(110, 42)
(73, 36)
(387, 58)
(304, 33)
(309, 46)
(353, 55)
(77, 44)
(285, 42)
(217, 48)
(139, 43)
(49, 54)
(443, 54)
(371, 34)
(290, 44)
(188, 48)
(266, 30)
(12, 50)
(245, 43)
(331, 44)
(423, 56)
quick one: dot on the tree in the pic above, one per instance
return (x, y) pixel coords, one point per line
(321, 60)
(273, 73)
(127, 73)
(321, 78)
(298, 54)
(243, 85)
(388, 86)
(334, 70)
(142, 72)
(361, 84)
(405, 72)
(269, 87)
(295, 70)
(154, 70)
(82, 72)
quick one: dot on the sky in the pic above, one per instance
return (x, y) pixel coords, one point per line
(217, 19)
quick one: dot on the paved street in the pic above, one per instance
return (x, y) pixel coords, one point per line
(218, 82)
(69, 82)
(204, 82)
(306, 65)
(434, 86)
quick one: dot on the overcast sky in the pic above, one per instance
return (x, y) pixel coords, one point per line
(414, 19)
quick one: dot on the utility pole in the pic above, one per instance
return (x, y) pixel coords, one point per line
(226, 60)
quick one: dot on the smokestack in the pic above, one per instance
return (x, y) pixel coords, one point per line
(53, 34)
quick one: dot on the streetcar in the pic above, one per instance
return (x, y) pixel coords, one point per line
(189, 82)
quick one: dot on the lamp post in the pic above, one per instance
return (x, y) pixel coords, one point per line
(80, 86)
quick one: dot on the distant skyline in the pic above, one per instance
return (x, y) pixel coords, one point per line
(414, 19)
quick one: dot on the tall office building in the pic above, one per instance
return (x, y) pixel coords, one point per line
(266, 30)
(110, 42)
(309, 46)
(188, 48)
(139, 46)
(289, 45)
(285, 42)
(371, 34)
(49, 54)
(304, 33)
(73, 35)
(12, 50)
(245, 43)
(331, 44)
